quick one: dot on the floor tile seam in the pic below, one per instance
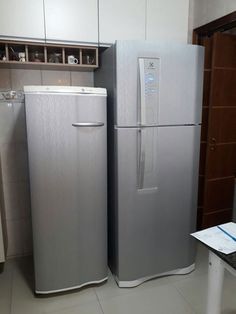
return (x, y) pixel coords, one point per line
(62, 309)
(11, 293)
(195, 276)
(109, 297)
(68, 307)
(133, 291)
(100, 305)
(185, 299)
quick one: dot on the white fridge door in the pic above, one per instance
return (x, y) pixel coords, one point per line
(67, 161)
(158, 83)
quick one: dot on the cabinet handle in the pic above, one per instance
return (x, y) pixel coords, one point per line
(87, 124)
(213, 139)
(212, 148)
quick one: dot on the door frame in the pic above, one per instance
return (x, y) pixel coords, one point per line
(224, 23)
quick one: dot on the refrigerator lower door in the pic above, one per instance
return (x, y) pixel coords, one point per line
(67, 159)
(155, 203)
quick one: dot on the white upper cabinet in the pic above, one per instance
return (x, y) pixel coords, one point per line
(71, 21)
(167, 20)
(22, 19)
(121, 19)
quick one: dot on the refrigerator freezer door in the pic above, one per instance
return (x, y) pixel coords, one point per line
(68, 189)
(177, 88)
(154, 222)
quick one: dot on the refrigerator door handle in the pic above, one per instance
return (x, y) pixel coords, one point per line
(87, 124)
(141, 160)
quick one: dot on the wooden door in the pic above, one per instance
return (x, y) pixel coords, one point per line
(220, 141)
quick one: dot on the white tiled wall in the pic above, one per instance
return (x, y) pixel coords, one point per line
(16, 78)
(14, 177)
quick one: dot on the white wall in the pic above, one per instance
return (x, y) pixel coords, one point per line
(205, 11)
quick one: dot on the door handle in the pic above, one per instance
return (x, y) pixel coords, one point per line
(87, 124)
(141, 159)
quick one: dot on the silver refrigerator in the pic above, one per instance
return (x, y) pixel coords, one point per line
(67, 145)
(154, 117)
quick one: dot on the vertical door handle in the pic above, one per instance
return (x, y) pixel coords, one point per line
(141, 160)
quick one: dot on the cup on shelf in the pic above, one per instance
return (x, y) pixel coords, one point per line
(37, 56)
(72, 60)
(89, 59)
(21, 56)
(54, 58)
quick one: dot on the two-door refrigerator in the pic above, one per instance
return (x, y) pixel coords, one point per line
(154, 117)
(67, 147)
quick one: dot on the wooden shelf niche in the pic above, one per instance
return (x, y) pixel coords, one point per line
(28, 54)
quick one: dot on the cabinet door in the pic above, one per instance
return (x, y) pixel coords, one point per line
(22, 19)
(73, 21)
(121, 19)
(167, 20)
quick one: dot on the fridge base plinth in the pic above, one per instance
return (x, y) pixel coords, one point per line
(137, 282)
(72, 288)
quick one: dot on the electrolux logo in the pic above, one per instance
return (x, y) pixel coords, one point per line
(151, 65)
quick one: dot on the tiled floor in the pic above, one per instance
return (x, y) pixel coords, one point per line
(167, 295)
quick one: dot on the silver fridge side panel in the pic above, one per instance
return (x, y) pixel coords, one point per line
(155, 221)
(178, 83)
(68, 190)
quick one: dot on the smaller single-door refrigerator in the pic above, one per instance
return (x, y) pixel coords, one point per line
(66, 132)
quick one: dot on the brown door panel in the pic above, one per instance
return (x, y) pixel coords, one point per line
(218, 136)
(206, 88)
(200, 190)
(223, 88)
(216, 218)
(202, 162)
(223, 125)
(219, 194)
(224, 50)
(204, 127)
(221, 161)
(207, 43)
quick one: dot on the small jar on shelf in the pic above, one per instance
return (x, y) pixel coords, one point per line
(3, 52)
(54, 55)
(89, 56)
(17, 52)
(36, 53)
